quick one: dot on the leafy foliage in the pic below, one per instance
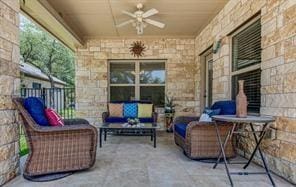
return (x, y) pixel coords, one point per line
(39, 48)
(146, 77)
(169, 104)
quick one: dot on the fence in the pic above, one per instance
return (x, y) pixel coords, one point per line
(60, 99)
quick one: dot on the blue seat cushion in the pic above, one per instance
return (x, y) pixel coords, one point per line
(124, 120)
(227, 107)
(35, 107)
(146, 120)
(116, 120)
(181, 129)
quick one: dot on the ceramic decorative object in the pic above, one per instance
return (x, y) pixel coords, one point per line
(241, 101)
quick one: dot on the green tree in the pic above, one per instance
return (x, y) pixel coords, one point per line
(39, 48)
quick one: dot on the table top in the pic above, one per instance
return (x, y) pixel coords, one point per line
(124, 126)
(248, 119)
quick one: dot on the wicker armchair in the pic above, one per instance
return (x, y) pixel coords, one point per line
(55, 150)
(201, 141)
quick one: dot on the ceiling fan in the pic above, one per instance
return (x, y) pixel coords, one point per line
(141, 19)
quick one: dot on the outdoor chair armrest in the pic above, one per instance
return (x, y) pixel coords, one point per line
(185, 119)
(66, 129)
(194, 124)
(104, 116)
(75, 121)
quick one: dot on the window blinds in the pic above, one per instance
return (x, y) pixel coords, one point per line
(246, 47)
(246, 52)
(251, 88)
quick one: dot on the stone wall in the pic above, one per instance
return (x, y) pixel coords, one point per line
(92, 72)
(278, 79)
(9, 85)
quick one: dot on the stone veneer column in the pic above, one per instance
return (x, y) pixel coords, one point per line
(9, 84)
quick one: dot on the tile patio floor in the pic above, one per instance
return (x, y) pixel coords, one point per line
(133, 162)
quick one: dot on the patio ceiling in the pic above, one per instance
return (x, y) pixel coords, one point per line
(74, 21)
(97, 18)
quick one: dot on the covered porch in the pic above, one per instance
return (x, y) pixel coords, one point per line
(194, 59)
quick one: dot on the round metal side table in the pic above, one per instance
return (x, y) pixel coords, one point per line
(249, 120)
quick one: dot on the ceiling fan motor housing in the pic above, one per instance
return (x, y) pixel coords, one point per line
(139, 6)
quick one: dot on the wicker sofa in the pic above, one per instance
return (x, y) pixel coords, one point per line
(198, 139)
(110, 119)
(54, 150)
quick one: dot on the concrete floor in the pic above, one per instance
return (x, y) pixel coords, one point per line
(133, 162)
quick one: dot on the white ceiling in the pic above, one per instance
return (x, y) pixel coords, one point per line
(97, 18)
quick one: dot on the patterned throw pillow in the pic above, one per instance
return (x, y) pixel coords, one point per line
(145, 110)
(115, 110)
(130, 110)
(54, 118)
(205, 118)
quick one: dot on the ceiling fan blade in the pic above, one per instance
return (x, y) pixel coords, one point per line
(150, 12)
(125, 23)
(155, 23)
(128, 13)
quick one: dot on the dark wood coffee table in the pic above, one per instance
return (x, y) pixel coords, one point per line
(145, 129)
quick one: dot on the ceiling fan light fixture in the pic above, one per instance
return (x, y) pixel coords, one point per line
(140, 19)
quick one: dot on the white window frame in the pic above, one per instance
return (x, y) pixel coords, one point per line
(244, 70)
(137, 83)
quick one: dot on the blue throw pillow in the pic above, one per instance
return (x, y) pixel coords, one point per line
(130, 110)
(35, 107)
(227, 107)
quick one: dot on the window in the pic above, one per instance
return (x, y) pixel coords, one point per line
(36, 85)
(246, 59)
(137, 80)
